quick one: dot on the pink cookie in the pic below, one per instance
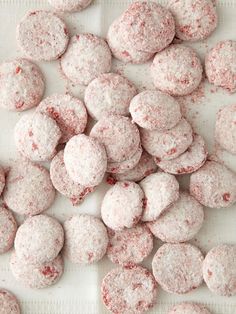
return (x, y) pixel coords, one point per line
(109, 93)
(2, 179)
(130, 246)
(122, 205)
(180, 222)
(161, 190)
(119, 136)
(178, 267)
(29, 190)
(85, 160)
(42, 35)
(8, 303)
(69, 113)
(86, 239)
(22, 85)
(189, 308)
(87, 57)
(214, 185)
(69, 5)
(129, 290)
(8, 227)
(36, 276)
(177, 70)
(39, 239)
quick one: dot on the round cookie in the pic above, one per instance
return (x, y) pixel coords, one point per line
(129, 246)
(154, 110)
(119, 136)
(129, 290)
(69, 113)
(8, 303)
(122, 205)
(22, 85)
(189, 308)
(189, 162)
(219, 270)
(29, 190)
(180, 222)
(195, 20)
(36, 276)
(161, 190)
(39, 239)
(109, 93)
(2, 179)
(168, 144)
(85, 160)
(36, 136)
(177, 70)
(214, 185)
(86, 239)
(69, 5)
(178, 267)
(42, 35)
(8, 227)
(220, 64)
(87, 57)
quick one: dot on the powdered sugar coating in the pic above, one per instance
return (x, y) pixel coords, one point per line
(177, 70)
(36, 136)
(122, 205)
(190, 161)
(129, 246)
(69, 5)
(8, 303)
(168, 144)
(154, 110)
(69, 113)
(29, 190)
(214, 185)
(219, 270)
(119, 136)
(2, 179)
(85, 160)
(129, 290)
(36, 276)
(161, 190)
(220, 65)
(180, 222)
(109, 93)
(87, 57)
(189, 308)
(39, 239)
(42, 35)
(86, 239)
(195, 19)
(178, 267)
(8, 227)
(22, 85)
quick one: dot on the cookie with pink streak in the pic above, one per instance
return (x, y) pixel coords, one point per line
(69, 5)
(9, 303)
(189, 308)
(8, 227)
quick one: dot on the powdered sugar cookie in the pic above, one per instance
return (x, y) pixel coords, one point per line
(29, 190)
(225, 130)
(219, 270)
(161, 190)
(122, 205)
(119, 136)
(177, 70)
(189, 308)
(8, 303)
(36, 136)
(2, 179)
(195, 20)
(36, 276)
(109, 93)
(180, 222)
(121, 47)
(86, 239)
(214, 185)
(85, 160)
(69, 5)
(39, 239)
(154, 110)
(220, 64)
(42, 35)
(129, 246)
(168, 144)
(178, 267)
(22, 85)
(87, 57)
(129, 290)
(8, 227)
(190, 161)
(69, 113)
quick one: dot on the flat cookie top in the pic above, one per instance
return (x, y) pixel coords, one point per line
(189, 308)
